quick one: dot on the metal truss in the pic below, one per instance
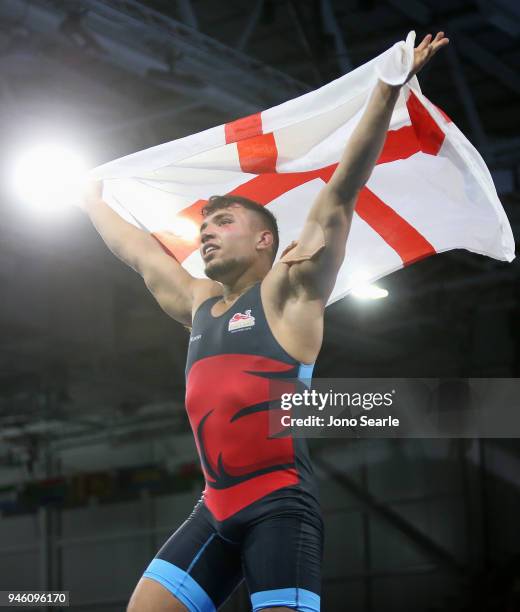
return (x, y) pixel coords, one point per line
(331, 25)
(472, 51)
(503, 15)
(31, 64)
(488, 62)
(139, 40)
(252, 22)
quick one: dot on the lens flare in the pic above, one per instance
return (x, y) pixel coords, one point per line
(369, 292)
(49, 177)
(365, 290)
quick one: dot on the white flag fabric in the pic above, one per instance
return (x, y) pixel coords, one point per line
(429, 192)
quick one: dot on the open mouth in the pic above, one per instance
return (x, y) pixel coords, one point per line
(208, 248)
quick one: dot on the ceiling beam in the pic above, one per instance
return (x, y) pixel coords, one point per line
(250, 26)
(472, 51)
(414, 9)
(188, 14)
(141, 41)
(488, 62)
(332, 27)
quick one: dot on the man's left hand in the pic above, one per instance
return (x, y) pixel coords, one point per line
(426, 50)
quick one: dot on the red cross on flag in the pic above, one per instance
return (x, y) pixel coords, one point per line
(429, 192)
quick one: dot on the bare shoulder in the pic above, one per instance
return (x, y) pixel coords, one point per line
(296, 323)
(203, 289)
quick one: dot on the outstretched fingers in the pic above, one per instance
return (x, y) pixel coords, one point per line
(432, 45)
(424, 43)
(427, 48)
(439, 41)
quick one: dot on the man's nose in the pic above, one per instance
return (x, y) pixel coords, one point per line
(206, 235)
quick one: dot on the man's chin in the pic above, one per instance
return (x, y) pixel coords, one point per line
(213, 269)
(219, 270)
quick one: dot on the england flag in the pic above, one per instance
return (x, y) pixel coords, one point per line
(429, 192)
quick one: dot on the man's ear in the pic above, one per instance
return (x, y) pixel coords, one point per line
(265, 240)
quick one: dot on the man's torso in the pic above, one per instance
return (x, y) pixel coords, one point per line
(233, 359)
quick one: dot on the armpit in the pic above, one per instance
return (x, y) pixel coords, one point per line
(310, 243)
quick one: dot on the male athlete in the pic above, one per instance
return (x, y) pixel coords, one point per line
(258, 518)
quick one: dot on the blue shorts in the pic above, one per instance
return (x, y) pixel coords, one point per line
(275, 545)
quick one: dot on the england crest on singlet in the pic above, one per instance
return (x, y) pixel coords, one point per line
(241, 321)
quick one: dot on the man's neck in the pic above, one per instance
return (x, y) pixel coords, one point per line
(234, 290)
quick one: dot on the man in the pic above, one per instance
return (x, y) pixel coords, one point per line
(252, 322)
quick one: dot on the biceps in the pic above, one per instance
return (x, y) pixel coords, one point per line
(333, 214)
(177, 306)
(333, 210)
(170, 285)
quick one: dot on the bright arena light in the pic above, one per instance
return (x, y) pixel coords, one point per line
(365, 290)
(369, 292)
(49, 177)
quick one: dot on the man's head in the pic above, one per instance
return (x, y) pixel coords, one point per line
(236, 233)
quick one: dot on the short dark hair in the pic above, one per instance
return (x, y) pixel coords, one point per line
(218, 202)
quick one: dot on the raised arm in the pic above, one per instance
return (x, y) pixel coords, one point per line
(172, 286)
(319, 253)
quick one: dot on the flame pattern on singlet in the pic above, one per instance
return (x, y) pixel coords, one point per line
(231, 360)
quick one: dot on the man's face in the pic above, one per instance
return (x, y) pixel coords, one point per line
(228, 239)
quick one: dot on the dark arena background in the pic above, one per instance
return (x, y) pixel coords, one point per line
(97, 462)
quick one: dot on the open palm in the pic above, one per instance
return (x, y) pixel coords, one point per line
(426, 50)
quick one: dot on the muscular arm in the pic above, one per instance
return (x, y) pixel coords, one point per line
(325, 233)
(363, 150)
(171, 285)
